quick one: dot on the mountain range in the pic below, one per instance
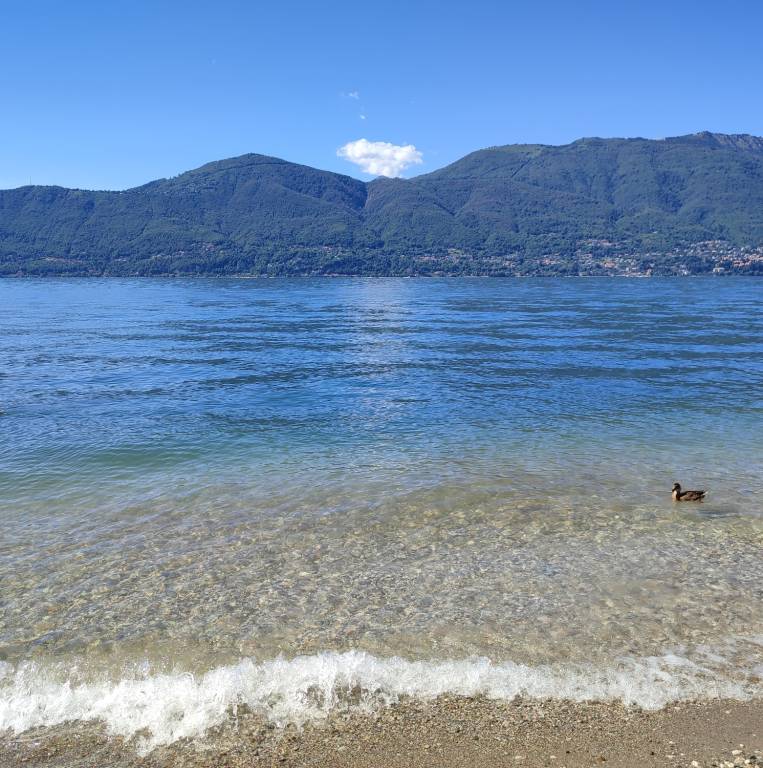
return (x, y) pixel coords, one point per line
(689, 204)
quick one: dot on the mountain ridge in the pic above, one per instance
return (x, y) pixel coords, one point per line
(739, 140)
(687, 204)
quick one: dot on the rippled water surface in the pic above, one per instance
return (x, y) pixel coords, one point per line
(192, 472)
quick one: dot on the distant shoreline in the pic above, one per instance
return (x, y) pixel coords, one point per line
(340, 276)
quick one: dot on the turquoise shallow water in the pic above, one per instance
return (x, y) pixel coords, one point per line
(196, 472)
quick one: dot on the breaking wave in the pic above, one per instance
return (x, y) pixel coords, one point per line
(161, 708)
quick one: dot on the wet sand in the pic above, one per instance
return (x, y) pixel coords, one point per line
(449, 732)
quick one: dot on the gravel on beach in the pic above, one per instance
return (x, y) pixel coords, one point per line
(449, 732)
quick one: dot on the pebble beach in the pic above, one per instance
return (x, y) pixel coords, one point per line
(449, 732)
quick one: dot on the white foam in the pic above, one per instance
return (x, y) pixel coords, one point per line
(169, 707)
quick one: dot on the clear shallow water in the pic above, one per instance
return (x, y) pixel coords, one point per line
(196, 472)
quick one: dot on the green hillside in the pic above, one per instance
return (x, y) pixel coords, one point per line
(596, 206)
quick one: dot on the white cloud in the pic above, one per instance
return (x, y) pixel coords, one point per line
(380, 158)
(351, 95)
(362, 116)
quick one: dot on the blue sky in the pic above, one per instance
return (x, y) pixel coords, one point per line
(112, 94)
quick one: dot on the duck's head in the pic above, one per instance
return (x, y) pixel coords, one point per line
(676, 487)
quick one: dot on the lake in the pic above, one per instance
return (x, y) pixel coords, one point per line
(225, 491)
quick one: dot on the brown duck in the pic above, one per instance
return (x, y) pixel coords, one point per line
(679, 495)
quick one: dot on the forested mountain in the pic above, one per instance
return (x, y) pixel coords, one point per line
(689, 204)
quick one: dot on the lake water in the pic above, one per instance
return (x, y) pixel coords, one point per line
(304, 494)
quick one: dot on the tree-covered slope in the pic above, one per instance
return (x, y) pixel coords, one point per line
(200, 221)
(683, 190)
(690, 203)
